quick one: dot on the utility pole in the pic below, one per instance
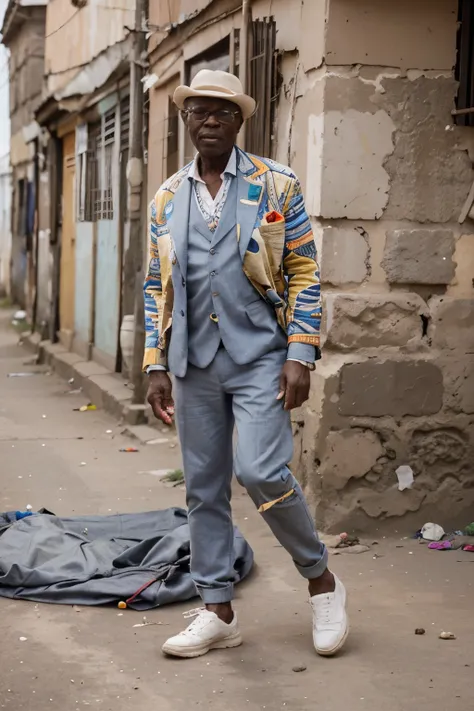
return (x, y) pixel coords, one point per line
(135, 177)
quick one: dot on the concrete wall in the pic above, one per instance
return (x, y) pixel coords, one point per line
(386, 175)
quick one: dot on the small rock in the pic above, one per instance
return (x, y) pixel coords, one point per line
(447, 635)
(420, 630)
(298, 669)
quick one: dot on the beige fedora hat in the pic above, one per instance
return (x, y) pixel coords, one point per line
(217, 85)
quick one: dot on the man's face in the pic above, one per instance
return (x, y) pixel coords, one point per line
(213, 125)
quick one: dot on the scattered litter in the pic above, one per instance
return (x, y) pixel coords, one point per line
(76, 608)
(77, 391)
(160, 473)
(128, 449)
(441, 546)
(108, 431)
(420, 630)
(83, 464)
(29, 507)
(71, 381)
(175, 478)
(20, 315)
(21, 375)
(43, 416)
(158, 441)
(432, 532)
(358, 548)
(447, 635)
(469, 548)
(122, 605)
(23, 639)
(146, 623)
(298, 669)
(85, 408)
(405, 477)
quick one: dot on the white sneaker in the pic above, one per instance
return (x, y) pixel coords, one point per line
(330, 621)
(206, 632)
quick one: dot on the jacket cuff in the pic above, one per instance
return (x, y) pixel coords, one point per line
(154, 356)
(302, 351)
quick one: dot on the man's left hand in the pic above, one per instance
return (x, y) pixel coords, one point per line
(295, 381)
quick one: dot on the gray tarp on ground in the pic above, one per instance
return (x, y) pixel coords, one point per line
(94, 560)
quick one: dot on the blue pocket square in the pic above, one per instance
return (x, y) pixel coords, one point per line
(254, 192)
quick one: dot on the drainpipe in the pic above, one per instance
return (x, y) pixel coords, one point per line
(244, 58)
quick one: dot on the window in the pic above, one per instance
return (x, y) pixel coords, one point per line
(263, 86)
(464, 71)
(95, 156)
(107, 166)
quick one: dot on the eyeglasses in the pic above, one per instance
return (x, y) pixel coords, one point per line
(220, 115)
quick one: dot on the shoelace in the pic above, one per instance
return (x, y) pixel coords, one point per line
(323, 612)
(198, 621)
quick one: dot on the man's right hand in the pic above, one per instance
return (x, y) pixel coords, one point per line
(159, 396)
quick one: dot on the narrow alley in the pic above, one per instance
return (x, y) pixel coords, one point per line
(79, 657)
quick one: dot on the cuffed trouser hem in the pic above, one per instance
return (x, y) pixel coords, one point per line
(215, 596)
(315, 571)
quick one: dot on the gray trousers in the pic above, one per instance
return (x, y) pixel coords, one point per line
(209, 402)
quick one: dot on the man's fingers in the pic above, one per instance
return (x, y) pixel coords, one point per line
(290, 395)
(282, 386)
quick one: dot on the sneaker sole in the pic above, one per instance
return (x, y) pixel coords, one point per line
(202, 649)
(337, 647)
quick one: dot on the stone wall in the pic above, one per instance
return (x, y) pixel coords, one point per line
(386, 173)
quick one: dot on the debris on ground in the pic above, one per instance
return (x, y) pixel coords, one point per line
(420, 630)
(441, 546)
(147, 623)
(77, 391)
(21, 375)
(175, 477)
(447, 635)
(129, 449)
(85, 408)
(469, 548)
(405, 477)
(298, 669)
(19, 315)
(432, 532)
(469, 530)
(358, 548)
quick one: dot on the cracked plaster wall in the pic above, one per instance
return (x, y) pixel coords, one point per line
(370, 134)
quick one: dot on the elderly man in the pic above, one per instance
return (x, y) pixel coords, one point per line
(232, 301)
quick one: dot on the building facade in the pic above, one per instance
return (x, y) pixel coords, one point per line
(86, 110)
(23, 34)
(371, 104)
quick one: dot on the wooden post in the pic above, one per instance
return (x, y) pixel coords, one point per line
(135, 195)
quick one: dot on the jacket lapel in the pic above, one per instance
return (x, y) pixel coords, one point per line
(249, 197)
(178, 223)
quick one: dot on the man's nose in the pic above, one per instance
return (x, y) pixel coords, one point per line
(211, 121)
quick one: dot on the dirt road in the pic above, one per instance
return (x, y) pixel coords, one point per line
(96, 658)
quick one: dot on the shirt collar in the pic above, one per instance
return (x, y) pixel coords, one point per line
(230, 169)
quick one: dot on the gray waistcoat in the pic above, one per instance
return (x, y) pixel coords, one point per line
(216, 285)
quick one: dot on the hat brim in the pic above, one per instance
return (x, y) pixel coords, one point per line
(245, 103)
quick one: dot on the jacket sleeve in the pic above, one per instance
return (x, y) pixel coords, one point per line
(153, 294)
(301, 269)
